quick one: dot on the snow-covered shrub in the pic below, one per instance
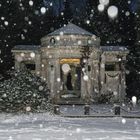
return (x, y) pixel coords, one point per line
(23, 91)
(107, 98)
(103, 98)
(110, 98)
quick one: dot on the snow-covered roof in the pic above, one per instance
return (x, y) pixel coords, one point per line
(70, 29)
(114, 48)
(26, 47)
(104, 48)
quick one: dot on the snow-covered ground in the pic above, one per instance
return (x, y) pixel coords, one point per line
(47, 127)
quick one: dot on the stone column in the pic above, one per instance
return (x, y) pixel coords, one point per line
(102, 73)
(85, 83)
(57, 80)
(51, 75)
(90, 75)
(83, 91)
(57, 75)
(38, 63)
(122, 83)
(17, 65)
(43, 67)
(96, 77)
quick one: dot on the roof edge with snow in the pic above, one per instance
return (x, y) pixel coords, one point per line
(70, 29)
(26, 47)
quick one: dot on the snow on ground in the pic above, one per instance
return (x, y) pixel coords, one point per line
(46, 127)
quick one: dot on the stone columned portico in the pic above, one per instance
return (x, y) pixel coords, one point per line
(66, 72)
(75, 66)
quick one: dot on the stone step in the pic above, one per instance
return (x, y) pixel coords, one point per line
(71, 101)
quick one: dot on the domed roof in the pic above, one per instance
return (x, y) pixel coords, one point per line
(70, 29)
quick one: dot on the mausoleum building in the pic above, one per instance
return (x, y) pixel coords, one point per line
(75, 66)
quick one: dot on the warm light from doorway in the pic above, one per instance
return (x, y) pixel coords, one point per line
(70, 61)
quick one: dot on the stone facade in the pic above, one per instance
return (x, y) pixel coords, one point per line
(75, 66)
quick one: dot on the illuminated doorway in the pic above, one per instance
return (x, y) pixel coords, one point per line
(71, 78)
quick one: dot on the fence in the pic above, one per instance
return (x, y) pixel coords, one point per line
(88, 110)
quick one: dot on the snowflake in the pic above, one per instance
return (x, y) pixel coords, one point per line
(112, 12)
(115, 93)
(22, 54)
(32, 54)
(41, 125)
(134, 100)
(85, 77)
(6, 23)
(101, 7)
(31, 3)
(104, 2)
(62, 13)
(79, 42)
(28, 108)
(22, 37)
(123, 121)
(78, 130)
(10, 138)
(43, 10)
(51, 4)
(41, 88)
(88, 21)
(127, 13)
(61, 33)
(65, 68)
(2, 18)
(42, 65)
(30, 22)
(58, 38)
(58, 79)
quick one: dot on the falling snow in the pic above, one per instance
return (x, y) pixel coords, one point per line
(43, 10)
(24, 22)
(104, 2)
(6, 23)
(112, 12)
(101, 7)
(31, 3)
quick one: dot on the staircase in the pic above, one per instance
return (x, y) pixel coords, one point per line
(70, 101)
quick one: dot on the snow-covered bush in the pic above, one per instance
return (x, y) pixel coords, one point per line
(103, 98)
(24, 92)
(107, 98)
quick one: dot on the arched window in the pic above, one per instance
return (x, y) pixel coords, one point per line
(52, 41)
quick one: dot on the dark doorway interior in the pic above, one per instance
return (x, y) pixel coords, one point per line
(71, 81)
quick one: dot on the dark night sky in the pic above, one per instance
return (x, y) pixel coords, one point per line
(80, 4)
(58, 5)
